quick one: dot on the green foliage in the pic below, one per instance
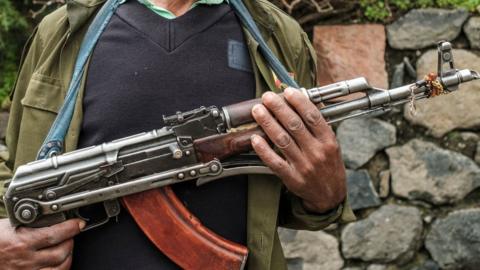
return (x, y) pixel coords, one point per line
(402, 4)
(12, 28)
(470, 5)
(374, 10)
(381, 10)
(425, 3)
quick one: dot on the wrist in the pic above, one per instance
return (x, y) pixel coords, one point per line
(315, 207)
(321, 207)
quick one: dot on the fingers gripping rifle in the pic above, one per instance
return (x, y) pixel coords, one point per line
(204, 145)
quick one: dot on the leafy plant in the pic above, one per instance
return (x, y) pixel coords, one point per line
(470, 5)
(375, 10)
(402, 4)
(381, 10)
(12, 28)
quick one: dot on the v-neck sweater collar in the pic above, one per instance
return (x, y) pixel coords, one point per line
(167, 14)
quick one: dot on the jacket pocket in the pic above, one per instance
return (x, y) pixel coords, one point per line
(43, 93)
(41, 103)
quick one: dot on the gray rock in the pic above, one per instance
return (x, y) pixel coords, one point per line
(454, 241)
(472, 30)
(469, 136)
(361, 193)
(384, 186)
(316, 250)
(428, 219)
(455, 110)
(353, 268)
(430, 265)
(477, 155)
(360, 139)
(377, 267)
(398, 75)
(389, 234)
(295, 264)
(423, 171)
(421, 28)
(409, 67)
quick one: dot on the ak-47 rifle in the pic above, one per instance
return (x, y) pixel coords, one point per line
(203, 145)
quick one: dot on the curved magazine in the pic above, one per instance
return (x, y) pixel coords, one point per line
(180, 235)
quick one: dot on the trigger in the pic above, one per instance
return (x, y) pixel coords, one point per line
(78, 215)
(112, 210)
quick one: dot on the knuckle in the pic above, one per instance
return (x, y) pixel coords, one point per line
(276, 106)
(265, 122)
(60, 255)
(49, 239)
(283, 140)
(319, 157)
(295, 124)
(313, 117)
(307, 169)
(19, 247)
(21, 263)
(331, 146)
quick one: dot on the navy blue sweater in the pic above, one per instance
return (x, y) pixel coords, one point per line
(143, 67)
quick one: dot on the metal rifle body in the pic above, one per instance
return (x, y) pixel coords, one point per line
(205, 144)
(196, 145)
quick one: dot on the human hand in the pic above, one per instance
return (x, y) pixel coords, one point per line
(33, 249)
(311, 166)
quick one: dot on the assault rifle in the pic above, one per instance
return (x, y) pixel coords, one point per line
(204, 145)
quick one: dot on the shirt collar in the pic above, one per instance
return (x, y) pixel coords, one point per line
(169, 15)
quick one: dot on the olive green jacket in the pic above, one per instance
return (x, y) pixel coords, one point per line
(46, 70)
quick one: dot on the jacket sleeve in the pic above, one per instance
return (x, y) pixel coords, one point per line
(27, 67)
(292, 213)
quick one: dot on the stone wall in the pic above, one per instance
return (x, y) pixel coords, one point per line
(413, 179)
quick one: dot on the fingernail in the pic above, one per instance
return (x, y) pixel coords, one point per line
(82, 224)
(288, 91)
(257, 109)
(268, 95)
(254, 139)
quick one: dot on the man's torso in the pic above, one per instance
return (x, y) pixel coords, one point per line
(146, 66)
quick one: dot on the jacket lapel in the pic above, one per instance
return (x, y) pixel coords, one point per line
(80, 11)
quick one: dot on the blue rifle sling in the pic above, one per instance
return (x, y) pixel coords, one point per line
(54, 142)
(275, 64)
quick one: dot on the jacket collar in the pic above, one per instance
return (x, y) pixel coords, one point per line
(260, 15)
(80, 11)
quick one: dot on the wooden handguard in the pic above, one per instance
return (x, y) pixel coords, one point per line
(180, 235)
(241, 113)
(226, 145)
